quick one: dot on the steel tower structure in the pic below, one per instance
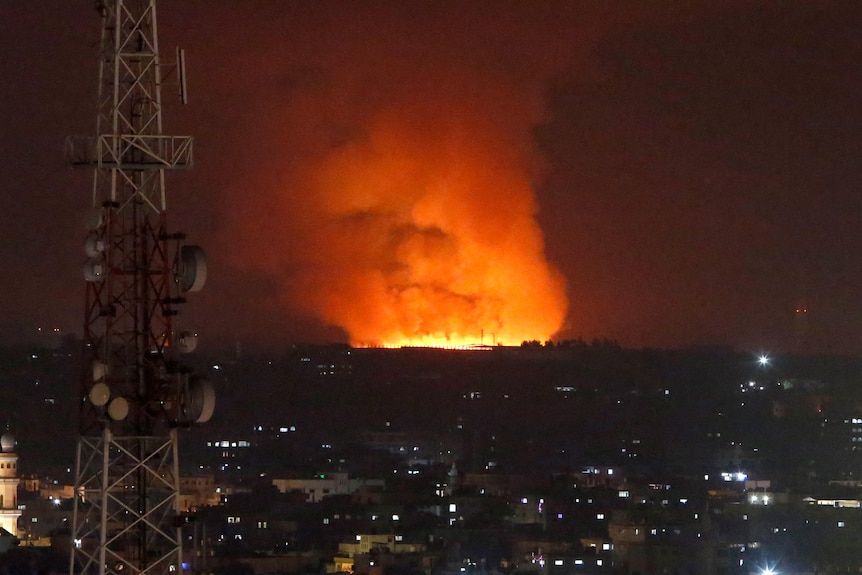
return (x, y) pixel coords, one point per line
(135, 391)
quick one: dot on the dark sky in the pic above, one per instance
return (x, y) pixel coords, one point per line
(695, 165)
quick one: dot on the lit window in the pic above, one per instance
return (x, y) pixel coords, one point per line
(452, 508)
(600, 516)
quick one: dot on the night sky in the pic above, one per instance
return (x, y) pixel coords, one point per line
(693, 167)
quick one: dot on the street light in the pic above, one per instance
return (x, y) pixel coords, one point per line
(764, 361)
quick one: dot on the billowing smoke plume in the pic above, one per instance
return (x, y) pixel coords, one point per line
(401, 205)
(423, 232)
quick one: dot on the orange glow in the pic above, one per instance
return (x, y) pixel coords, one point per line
(426, 236)
(415, 228)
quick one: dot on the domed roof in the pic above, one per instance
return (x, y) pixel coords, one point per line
(7, 442)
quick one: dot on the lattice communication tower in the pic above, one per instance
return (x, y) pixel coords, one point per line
(135, 391)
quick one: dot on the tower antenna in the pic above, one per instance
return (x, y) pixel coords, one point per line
(134, 390)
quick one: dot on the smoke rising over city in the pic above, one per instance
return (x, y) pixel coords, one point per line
(410, 217)
(417, 229)
(379, 173)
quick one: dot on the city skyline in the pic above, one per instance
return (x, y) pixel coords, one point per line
(693, 172)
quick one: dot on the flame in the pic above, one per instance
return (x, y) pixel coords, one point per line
(423, 232)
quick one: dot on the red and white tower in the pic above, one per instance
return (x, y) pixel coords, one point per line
(135, 391)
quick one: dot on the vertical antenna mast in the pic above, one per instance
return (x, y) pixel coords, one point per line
(134, 390)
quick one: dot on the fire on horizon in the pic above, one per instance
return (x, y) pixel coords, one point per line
(406, 205)
(424, 233)
(692, 173)
(433, 241)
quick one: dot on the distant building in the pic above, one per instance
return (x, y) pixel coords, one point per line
(367, 547)
(495, 484)
(46, 509)
(198, 491)
(325, 485)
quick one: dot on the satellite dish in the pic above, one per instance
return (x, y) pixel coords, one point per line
(94, 270)
(94, 245)
(92, 219)
(201, 401)
(118, 409)
(100, 394)
(193, 268)
(187, 341)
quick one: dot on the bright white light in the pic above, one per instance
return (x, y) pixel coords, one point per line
(763, 360)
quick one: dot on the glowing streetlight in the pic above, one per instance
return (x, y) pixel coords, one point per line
(764, 361)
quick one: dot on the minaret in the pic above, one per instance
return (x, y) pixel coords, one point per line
(9, 512)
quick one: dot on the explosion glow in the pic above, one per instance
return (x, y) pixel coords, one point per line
(429, 241)
(400, 207)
